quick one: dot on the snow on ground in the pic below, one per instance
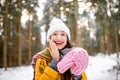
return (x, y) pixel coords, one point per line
(100, 68)
(17, 73)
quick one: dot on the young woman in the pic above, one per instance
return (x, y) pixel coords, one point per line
(59, 60)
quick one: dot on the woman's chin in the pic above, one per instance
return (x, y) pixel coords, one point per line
(59, 47)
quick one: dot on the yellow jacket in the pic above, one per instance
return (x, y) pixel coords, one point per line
(44, 72)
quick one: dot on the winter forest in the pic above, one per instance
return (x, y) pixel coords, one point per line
(94, 25)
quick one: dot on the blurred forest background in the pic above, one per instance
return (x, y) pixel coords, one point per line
(94, 25)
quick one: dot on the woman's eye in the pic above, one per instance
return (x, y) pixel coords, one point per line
(54, 34)
(63, 34)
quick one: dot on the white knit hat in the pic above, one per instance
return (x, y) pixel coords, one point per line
(57, 24)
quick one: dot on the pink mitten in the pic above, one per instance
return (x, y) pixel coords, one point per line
(76, 60)
(65, 63)
(80, 61)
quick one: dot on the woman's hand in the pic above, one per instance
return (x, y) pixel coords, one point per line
(54, 50)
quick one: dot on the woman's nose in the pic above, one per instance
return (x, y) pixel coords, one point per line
(59, 37)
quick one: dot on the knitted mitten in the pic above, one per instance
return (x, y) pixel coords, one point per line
(63, 52)
(76, 60)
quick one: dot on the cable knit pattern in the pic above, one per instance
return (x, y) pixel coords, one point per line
(76, 60)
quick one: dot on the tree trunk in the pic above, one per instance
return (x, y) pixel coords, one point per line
(116, 41)
(77, 32)
(19, 35)
(102, 44)
(5, 24)
(108, 43)
(29, 40)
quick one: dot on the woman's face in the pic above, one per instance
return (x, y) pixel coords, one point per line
(59, 38)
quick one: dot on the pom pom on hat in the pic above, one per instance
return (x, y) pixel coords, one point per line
(57, 24)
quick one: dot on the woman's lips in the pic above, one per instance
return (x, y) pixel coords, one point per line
(58, 43)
